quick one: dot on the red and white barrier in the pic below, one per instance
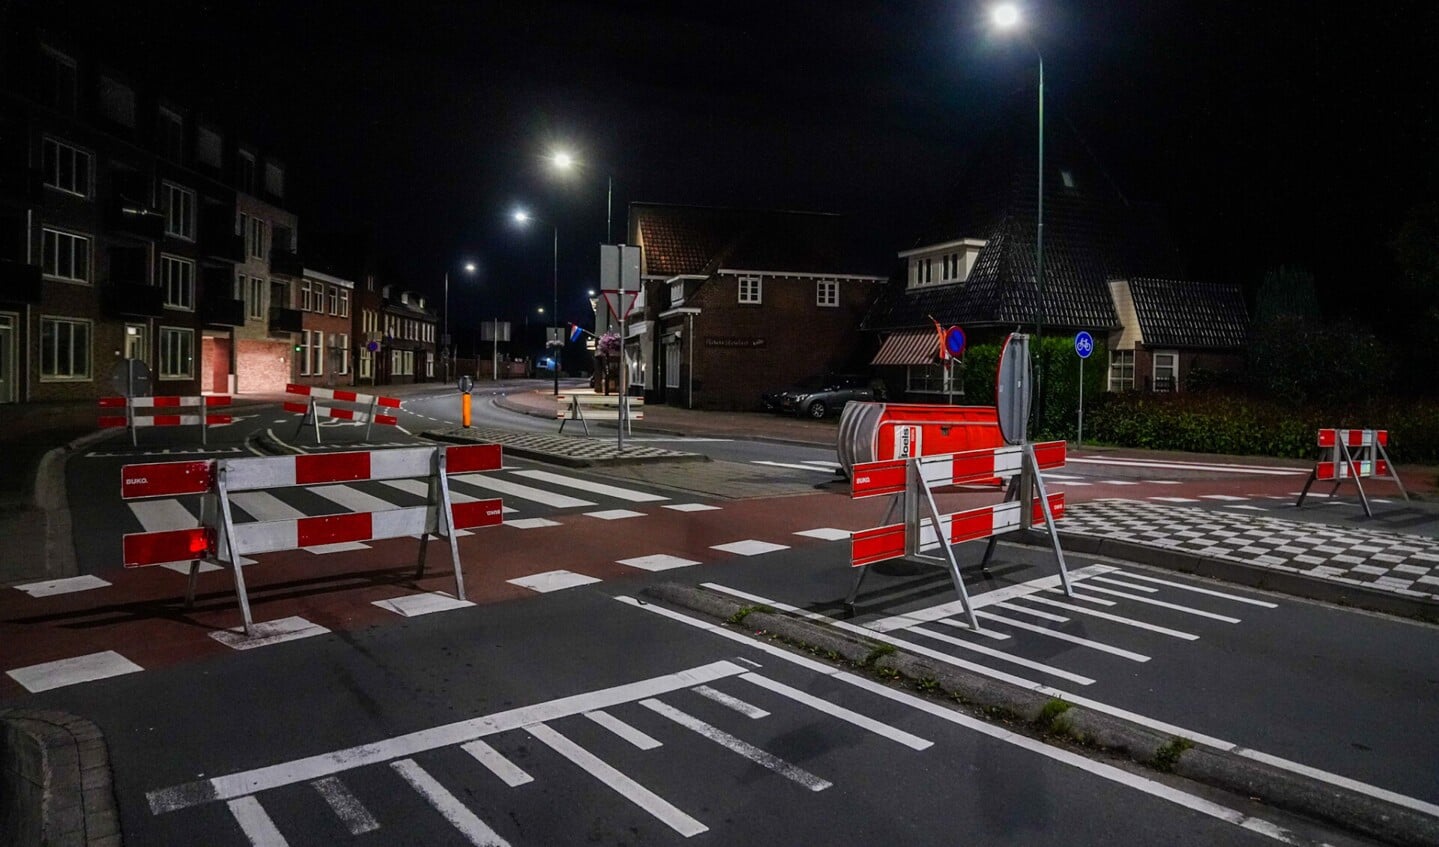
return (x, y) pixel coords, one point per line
(219, 539)
(312, 411)
(1352, 454)
(198, 416)
(913, 481)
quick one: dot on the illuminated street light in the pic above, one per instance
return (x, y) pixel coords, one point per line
(1005, 15)
(562, 160)
(447, 342)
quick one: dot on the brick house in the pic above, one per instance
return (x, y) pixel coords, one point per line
(738, 302)
(261, 351)
(1110, 269)
(327, 330)
(408, 353)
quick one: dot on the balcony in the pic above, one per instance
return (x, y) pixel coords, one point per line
(217, 235)
(222, 311)
(286, 262)
(286, 320)
(135, 218)
(19, 282)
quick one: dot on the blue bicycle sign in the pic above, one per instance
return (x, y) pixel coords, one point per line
(1084, 345)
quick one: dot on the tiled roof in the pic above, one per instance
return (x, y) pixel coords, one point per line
(1091, 234)
(1180, 313)
(700, 240)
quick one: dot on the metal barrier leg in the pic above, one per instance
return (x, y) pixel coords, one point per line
(448, 517)
(1393, 471)
(370, 421)
(854, 589)
(190, 584)
(1354, 472)
(948, 549)
(424, 546)
(228, 543)
(1304, 492)
(1033, 467)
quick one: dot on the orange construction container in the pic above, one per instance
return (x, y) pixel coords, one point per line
(871, 432)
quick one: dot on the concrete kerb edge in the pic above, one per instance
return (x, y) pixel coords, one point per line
(1224, 769)
(56, 787)
(1252, 576)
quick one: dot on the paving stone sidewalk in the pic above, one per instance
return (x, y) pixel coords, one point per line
(1400, 564)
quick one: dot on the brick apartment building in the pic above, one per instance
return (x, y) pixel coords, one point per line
(326, 353)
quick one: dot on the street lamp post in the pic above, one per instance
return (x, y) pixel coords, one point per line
(445, 331)
(562, 160)
(523, 217)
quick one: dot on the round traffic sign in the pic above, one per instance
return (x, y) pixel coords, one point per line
(131, 378)
(372, 346)
(1084, 344)
(466, 384)
(1012, 389)
(954, 342)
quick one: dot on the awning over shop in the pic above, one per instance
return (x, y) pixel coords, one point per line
(908, 347)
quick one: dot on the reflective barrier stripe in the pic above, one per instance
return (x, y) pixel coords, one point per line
(872, 479)
(338, 394)
(1352, 454)
(133, 420)
(888, 542)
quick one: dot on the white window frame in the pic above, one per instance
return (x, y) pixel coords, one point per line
(55, 151)
(185, 301)
(256, 237)
(344, 302)
(1118, 361)
(429, 366)
(826, 294)
(124, 104)
(367, 364)
(185, 338)
(332, 299)
(673, 358)
(255, 295)
(317, 352)
(72, 97)
(751, 290)
(342, 344)
(304, 352)
(86, 350)
(919, 379)
(1173, 356)
(77, 245)
(179, 224)
(276, 186)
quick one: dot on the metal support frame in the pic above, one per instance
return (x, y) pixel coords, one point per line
(1354, 465)
(576, 414)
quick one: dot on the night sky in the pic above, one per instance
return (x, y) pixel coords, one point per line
(1270, 132)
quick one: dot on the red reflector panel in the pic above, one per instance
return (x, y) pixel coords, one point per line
(478, 513)
(971, 525)
(332, 529)
(1056, 506)
(874, 478)
(1327, 438)
(112, 420)
(1324, 470)
(1382, 436)
(302, 408)
(166, 479)
(174, 545)
(217, 400)
(387, 420)
(332, 467)
(480, 457)
(347, 396)
(342, 414)
(1050, 454)
(112, 402)
(165, 420)
(292, 388)
(218, 419)
(389, 402)
(876, 545)
(165, 402)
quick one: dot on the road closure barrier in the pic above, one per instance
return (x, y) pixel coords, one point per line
(597, 407)
(362, 408)
(219, 539)
(913, 481)
(139, 412)
(1352, 454)
(871, 432)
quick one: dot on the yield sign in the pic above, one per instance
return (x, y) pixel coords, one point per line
(620, 302)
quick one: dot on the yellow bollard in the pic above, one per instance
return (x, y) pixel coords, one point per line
(465, 410)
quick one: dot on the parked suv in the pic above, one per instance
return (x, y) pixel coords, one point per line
(818, 396)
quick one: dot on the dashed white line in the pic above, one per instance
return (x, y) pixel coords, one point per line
(256, 825)
(794, 773)
(460, 817)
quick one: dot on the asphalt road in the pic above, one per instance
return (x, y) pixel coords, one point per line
(563, 720)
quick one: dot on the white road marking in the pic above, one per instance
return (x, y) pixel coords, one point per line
(1150, 601)
(1045, 616)
(160, 515)
(256, 825)
(414, 605)
(793, 465)
(1098, 601)
(237, 784)
(1062, 636)
(661, 809)
(987, 633)
(748, 710)
(521, 492)
(1071, 482)
(1247, 508)
(1117, 482)
(657, 562)
(826, 533)
(614, 491)
(979, 601)
(1225, 497)
(552, 581)
(1095, 613)
(692, 507)
(68, 585)
(72, 671)
(622, 729)
(899, 736)
(1002, 656)
(1196, 589)
(183, 568)
(264, 506)
(346, 806)
(531, 523)
(760, 757)
(834, 466)
(1175, 499)
(337, 547)
(1131, 586)
(352, 498)
(267, 633)
(749, 547)
(1191, 466)
(614, 514)
(460, 817)
(498, 765)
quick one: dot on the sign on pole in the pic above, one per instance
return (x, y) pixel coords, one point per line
(1084, 346)
(1012, 389)
(954, 342)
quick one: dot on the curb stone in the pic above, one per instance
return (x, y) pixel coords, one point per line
(55, 781)
(1224, 769)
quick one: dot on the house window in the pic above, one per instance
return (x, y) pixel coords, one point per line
(304, 352)
(367, 364)
(749, 289)
(65, 256)
(342, 352)
(207, 147)
(826, 293)
(256, 298)
(344, 303)
(171, 134)
(672, 364)
(274, 180)
(317, 353)
(429, 366)
(177, 277)
(57, 80)
(64, 349)
(334, 299)
(117, 102)
(1121, 370)
(245, 171)
(304, 295)
(1166, 371)
(177, 353)
(66, 168)
(931, 379)
(257, 238)
(179, 212)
